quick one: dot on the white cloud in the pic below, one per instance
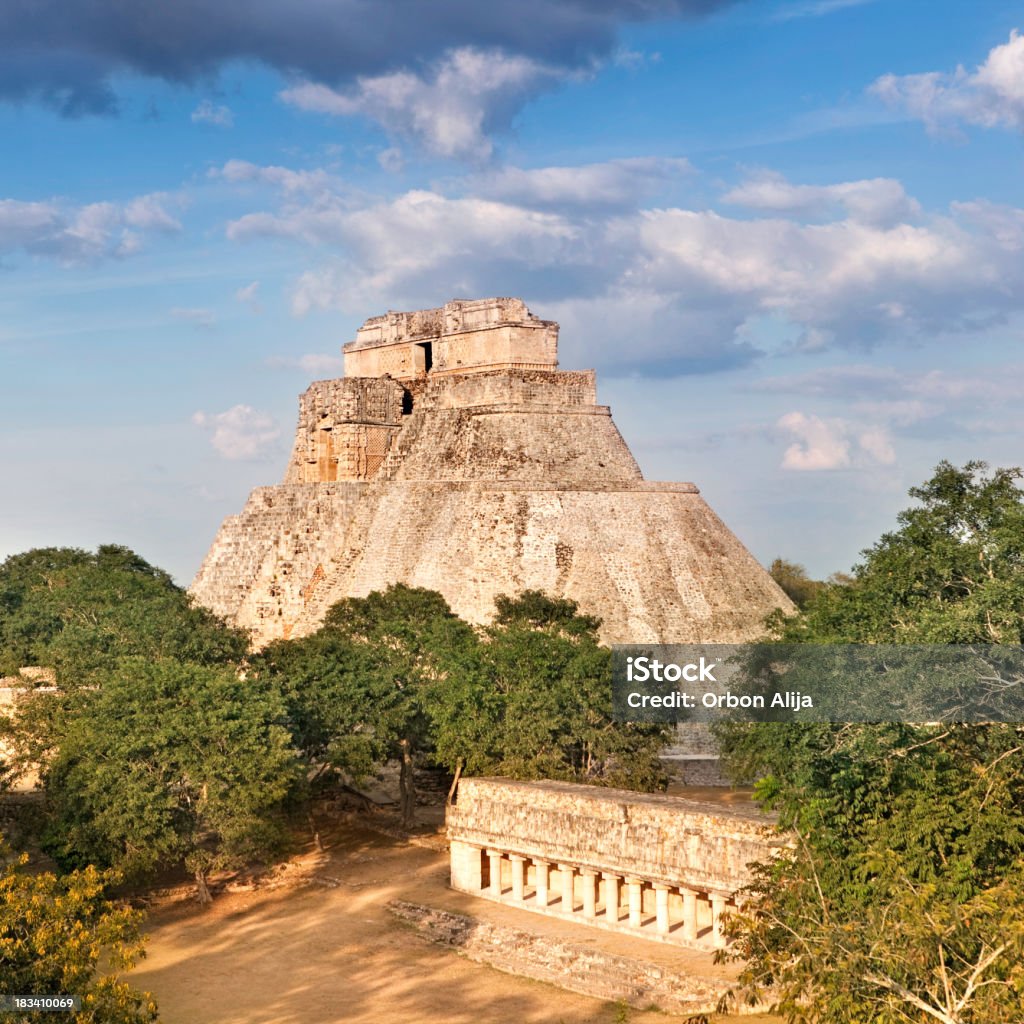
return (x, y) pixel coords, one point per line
(815, 8)
(612, 183)
(289, 181)
(239, 433)
(450, 110)
(202, 319)
(866, 383)
(879, 402)
(83, 234)
(249, 296)
(824, 444)
(394, 247)
(819, 444)
(871, 268)
(877, 443)
(150, 213)
(847, 382)
(991, 96)
(634, 60)
(216, 114)
(879, 201)
(391, 160)
(858, 281)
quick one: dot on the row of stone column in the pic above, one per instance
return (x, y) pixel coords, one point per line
(688, 926)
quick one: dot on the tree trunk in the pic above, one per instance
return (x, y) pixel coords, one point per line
(202, 889)
(316, 834)
(455, 784)
(406, 786)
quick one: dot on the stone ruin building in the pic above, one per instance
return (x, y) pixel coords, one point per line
(652, 866)
(454, 455)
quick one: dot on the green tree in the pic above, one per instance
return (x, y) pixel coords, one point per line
(794, 581)
(359, 688)
(60, 935)
(329, 689)
(163, 763)
(952, 573)
(78, 612)
(902, 898)
(538, 703)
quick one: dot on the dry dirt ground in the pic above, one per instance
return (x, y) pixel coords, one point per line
(321, 948)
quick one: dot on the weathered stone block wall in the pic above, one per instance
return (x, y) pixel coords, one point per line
(477, 484)
(504, 345)
(345, 429)
(553, 445)
(262, 569)
(689, 987)
(658, 838)
(651, 560)
(558, 388)
(462, 336)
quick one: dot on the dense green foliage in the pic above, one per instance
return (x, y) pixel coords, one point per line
(537, 703)
(794, 581)
(359, 689)
(166, 744)
(59, 934)
(952, 573)
(153, 750)
(903, 896)
(163, 763)
(398, 674)
(78, 612)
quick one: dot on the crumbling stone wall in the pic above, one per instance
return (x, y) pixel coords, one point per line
(688, 989)
(345, 431)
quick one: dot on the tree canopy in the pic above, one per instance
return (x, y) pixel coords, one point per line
(165, 763)
(953, 572)
(794, 581)
(77, 611)
(60, 934)
(359, 688)
(903, 896)
(398, 674)
(538, 703)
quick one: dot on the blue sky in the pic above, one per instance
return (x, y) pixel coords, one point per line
(789, 235)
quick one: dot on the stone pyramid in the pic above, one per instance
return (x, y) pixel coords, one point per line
(454, 455)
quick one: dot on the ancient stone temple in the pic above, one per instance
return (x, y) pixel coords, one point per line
(454, 455)
(653, 866)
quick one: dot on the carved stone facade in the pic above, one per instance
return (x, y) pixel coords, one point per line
(460, 337)
(657, 867)
(455, 456)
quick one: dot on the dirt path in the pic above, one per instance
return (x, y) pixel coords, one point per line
(330, 952)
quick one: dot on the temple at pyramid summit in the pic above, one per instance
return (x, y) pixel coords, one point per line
(455, 455)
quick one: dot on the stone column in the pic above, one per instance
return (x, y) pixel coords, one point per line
(689, 914)
(518, 876)
(568, 897)
(467, 866)
(494, 863)
(542, 867)
(611, 897)
(717, 909)
(636, 902)
(589, 879)
(661, 906)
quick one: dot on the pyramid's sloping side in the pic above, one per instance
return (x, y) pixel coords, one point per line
(494, 484)
(653, 561)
